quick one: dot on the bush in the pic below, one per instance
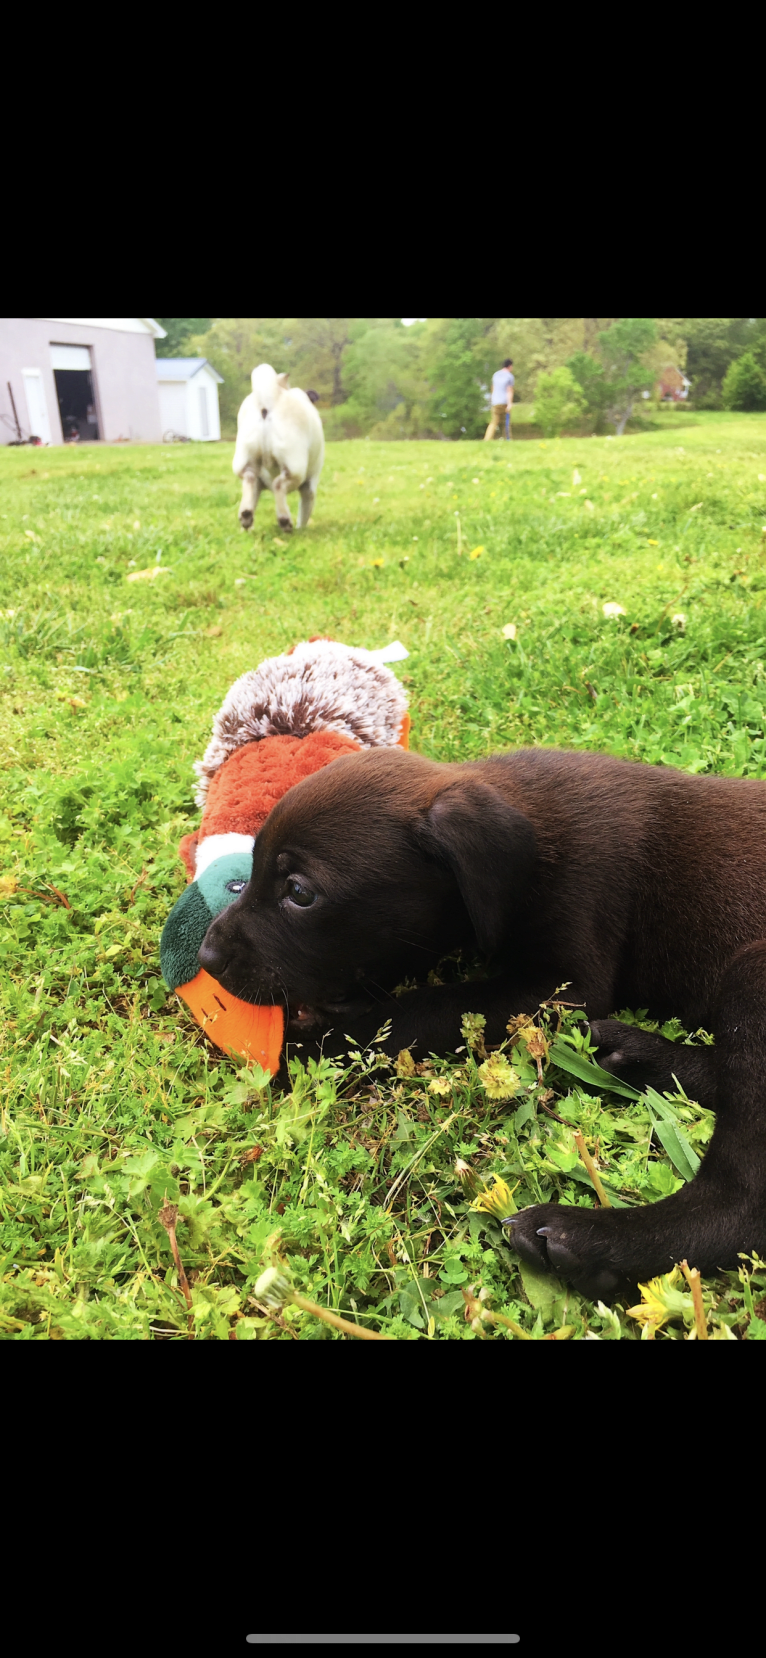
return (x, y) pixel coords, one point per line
(559, 401)
(744, 385)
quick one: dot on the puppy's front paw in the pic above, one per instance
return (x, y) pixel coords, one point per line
(246, 518)
(570, 1242)
(641, 1057)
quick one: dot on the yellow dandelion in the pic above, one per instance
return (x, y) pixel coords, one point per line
(151, 574)
(653, 543)
(662, 1301)
(477, 552)
(498, 1078)
(497, 1201)
(378, 563)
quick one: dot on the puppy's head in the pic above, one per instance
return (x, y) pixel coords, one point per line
(366, 871)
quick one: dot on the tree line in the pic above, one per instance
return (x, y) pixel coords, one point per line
(376, 377)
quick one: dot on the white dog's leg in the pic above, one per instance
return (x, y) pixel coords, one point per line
(280, 487)
(308, 496)
(251, 489)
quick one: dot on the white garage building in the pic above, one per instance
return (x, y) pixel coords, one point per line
(188, 388)
(79, 379)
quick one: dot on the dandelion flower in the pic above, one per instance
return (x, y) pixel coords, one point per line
(477, 552)
(653, 543)
(679, 619)
(661, 1301)
(498, 1078)
(510, 630)
(273, 1288)
(150, 574)
(467, 1176)
(497, 1202)
(378, 563)
(612, 609)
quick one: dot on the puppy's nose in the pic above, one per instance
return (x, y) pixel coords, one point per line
(214, 960)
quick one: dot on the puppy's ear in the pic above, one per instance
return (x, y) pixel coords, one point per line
(491, 850)
(283, 380)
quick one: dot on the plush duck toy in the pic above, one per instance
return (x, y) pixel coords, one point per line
(279, 722)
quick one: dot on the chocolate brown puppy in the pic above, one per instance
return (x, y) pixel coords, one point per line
(638, 885)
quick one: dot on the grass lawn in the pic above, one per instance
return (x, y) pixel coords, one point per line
(112, 1099)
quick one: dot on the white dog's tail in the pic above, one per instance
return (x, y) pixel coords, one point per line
(267, 387)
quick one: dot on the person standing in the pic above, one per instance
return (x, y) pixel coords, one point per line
(502, 399)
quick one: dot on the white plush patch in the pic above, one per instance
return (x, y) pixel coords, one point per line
(220, 846)
(322, 686)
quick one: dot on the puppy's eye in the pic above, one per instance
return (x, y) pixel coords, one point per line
(297, 893)
(236, 886)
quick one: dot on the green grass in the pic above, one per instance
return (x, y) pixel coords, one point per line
(111, 1096)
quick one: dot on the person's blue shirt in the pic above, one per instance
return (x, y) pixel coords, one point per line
(500, 383)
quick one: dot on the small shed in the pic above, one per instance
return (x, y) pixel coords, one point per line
(188, 388)
(673, 386)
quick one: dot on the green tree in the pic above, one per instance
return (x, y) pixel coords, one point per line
(456, 362)
(590, 378)
(715, 342)
(318, 346)
(383, 374)
(179, 331)
(559, 401)
(744, 385)
(626, 376)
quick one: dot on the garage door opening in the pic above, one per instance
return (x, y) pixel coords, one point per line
(73, 374)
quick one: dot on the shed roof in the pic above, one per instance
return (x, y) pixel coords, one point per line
(184, 368)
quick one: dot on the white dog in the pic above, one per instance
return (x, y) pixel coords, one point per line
(280, 446)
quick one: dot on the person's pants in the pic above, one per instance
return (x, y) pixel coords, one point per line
(499, 412)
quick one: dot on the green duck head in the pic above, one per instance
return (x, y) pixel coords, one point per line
(204, 898)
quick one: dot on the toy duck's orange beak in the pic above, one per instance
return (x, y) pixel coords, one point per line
(255, 1033)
